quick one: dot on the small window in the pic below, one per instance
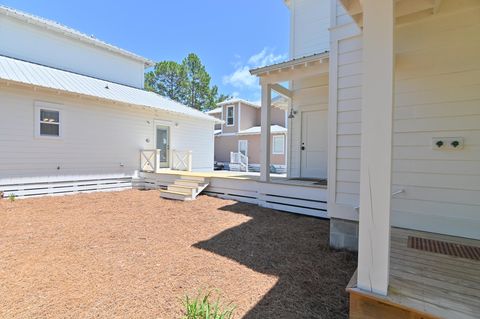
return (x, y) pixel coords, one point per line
(48, 121)
(278, 144)
(230, 115)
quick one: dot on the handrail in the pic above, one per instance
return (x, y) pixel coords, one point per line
(182, 160)
(400, 191)
(239, 158)
(150, 160)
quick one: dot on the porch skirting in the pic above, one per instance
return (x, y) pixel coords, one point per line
(283, 195)
(24, 187)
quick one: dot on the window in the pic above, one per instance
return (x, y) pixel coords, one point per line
(278, 144)
(230, 115)
(48, 121)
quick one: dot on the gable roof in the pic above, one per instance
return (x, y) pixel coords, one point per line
(70, 33)
(39, 76)
(275, 129)
(215, 111)
(233, 101)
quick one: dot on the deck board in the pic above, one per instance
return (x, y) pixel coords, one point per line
(274, 178)
(441, 285)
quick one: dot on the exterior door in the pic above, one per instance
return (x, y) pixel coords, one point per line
(243, 147)
(314, 144)
(163, 144)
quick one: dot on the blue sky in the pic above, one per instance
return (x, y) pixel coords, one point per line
(230, 36)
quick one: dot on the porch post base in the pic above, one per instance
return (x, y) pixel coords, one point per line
(343, 234)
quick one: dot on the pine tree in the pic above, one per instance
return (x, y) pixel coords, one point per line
(187, 83)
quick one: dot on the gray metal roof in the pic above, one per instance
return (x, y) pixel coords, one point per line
(290, 63)
(22, 72)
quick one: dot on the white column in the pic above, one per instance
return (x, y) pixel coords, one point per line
(376, 145)
(265, 136)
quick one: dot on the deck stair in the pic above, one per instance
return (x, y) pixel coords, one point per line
(185, 188)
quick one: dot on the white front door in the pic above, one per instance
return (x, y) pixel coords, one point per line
(314, 144)
(163, 144)
(243, 147)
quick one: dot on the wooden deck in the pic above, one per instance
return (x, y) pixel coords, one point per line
(307, 197)
(424, 284)
(274, 178)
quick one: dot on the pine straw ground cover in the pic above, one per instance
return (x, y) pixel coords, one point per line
(132, 254)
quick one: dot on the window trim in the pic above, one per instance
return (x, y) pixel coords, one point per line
(282, 137)
(48, 107)
(233, 115)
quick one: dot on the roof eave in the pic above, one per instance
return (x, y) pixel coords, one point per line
(323, 57)
(70, 93)
(234, 101)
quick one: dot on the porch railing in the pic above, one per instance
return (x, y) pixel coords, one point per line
(182, 160)
(150, 160)
(239, 159)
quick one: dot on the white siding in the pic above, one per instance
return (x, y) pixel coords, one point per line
(345, 114)
(349, 94)
(307, 16)
(31, 43)
(97, 137)
(341, 17)
(438, 95)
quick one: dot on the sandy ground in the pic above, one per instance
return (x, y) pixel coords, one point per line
(132, 254)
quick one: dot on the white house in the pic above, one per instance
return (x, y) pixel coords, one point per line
(74, 115)
(401, 81)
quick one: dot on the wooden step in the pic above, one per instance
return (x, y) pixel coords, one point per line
(187, 182)
(199, 179)
(175, 195)
(187, 190)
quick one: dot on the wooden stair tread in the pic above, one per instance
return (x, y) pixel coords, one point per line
(172, 192)
(185, 188)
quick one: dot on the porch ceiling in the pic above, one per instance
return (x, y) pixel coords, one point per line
(405, 10)
(293, 69)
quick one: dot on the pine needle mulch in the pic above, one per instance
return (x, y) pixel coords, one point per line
(132, 254)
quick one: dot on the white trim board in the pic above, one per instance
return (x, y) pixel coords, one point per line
(47, 186)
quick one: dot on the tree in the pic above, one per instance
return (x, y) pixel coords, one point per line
(187, 83)
(219, 98)
(199, 94)
(168, 79)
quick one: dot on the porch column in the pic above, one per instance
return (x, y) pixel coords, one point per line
(376, 145)
(265, 132)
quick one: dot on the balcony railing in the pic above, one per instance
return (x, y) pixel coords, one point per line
(150, 160)
(182, 160)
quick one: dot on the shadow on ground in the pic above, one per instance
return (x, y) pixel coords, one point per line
(311, 277)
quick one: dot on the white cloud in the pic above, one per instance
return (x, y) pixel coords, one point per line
(241, 78)
(265, 57)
